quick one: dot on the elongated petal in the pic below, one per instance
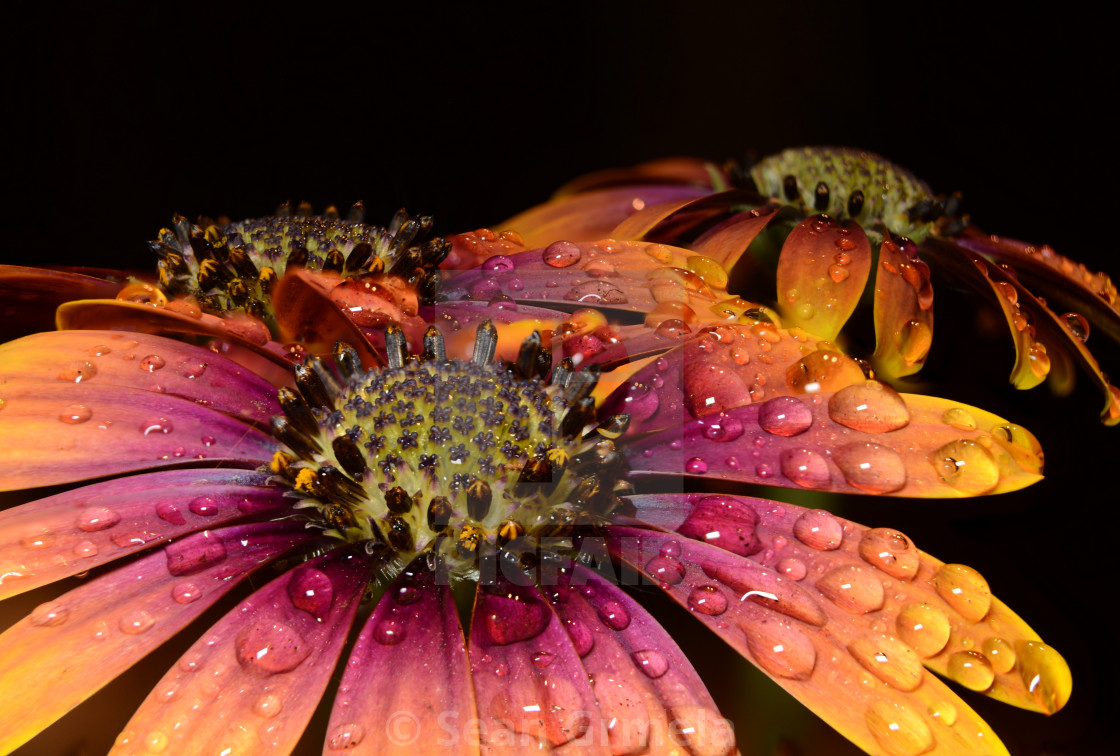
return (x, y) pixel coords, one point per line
(70, 431)
(141, 361)
(458, 321)
(670, 218)
(929, 596)
(305, 313)
(822, 271)
(815, 640)
(677, 170)
(407, 685)
(726, 242)
(31, 295)
(649, 694)
(252, 682)
(524, 705)
(903, 310)
(62, 535)
(67, 649)
(591, 215)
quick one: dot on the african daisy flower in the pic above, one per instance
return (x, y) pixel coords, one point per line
(460, 497)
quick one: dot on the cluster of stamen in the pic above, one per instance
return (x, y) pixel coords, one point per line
(233, 266)
(449, 457)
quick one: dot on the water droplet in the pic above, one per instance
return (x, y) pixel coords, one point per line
(561, 254)
(192, 368)
(78, 371)
(389, 632)
(819, 529)
(665, 570)
(696, 466)
(823, 370)
(899, 730)
(871, 467)
(186, 593)
(614, 615)
(346, 736)
(806, 468)
(971, 669)
(49, 614)
(1000, 654)
(582, 638)
(871, 407)
(168, 512)
(156, 425)
(781, 649)
(100, 350)
(889, 659)
(959, 418)
(707, 599)
(155, 742)
(966, 466)
(75, 413)
(1045, 674)
(152, 363)
(136, 622)
(652, 662)
(204, 506)
(271, 646)
(792, 568)
(672, 329)
(913, 340)
(891, 552)
(85, 549)
(542, 659)
(1077, 325)
(853, 589)
(785, 416)
(712, 272)
(267, 706)
(943, 712)
(194, 553)
(93, 519)
(724, 521)
(702, 730)
(311, 590)
(924, 627)
(964, 589)
(41, 538)
(510, 619)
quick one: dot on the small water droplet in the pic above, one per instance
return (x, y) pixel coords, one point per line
(652, 662)
(923, 627)
(78, 371)
(805, 467)
(542, 659)
(966, 466)
(871, 407)
(152, 363)
(1077, 325)
(696, 466)
(971, 669)
(561, 254)
(582, 638)
(899, 730)
(943, 712)
(614, 615)
(156, 426)
(389, 632)
(724, 521)
(891, 552)
(194, 553)
(665, 570)
(267, 706)
(75, 413)
(155, 742)
(204, 506)
(1000, 654)
(707, 599)
(93, 519)
(792, 568)
(889, 659)
(509, 619)
(959, 418)
(85, 549)
(785, 416)
(311, 590)
(271, 646)
(346, 736)
(168, 512)
(136, 622)
(839, 273)
(186, 593)
(819, 529)
(49, 614)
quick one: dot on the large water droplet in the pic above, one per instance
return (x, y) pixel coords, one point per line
(1000, 653)
(271, 646)
(93, 519)
(924, 627)
(805, 467)
(899, 730)
(707, 599)
(964, 589)
(854, 589)
(781, 649)
(710, 388)
(871, 467)
(152, 363)
(665, 570)
(194, 553)
(971, 669)
(891, 552)
(966, 466)
(871, 407)
(78, 371)
(561, 254)
(890, 660)
(136, 622)
(389, 632)
(582, 638)
(511, 619)
(823, 370)
(819, 529)
(943, 712)
(75, 414)
(1045, 674)
(614, 615)
(311, 590)
(651, 661)
(724, 521)
(785, 416)
(959, 418)
(346, 736)
(49, 614)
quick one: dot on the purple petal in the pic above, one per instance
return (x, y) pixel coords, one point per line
(70, 431)
(62, 535)
(523, 705)
(407, 685)
(68, 648)
(253, 681)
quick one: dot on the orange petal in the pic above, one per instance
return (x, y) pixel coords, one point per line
(903, 310)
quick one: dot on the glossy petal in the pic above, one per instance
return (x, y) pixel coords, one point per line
(65, 431)
(141, 361)
(923, 598)
(306, 313)
(407, 685)
(524, 707)
(514, 322)
(31, 295)
(903, 310)
(648, 692)
(67, 649)
(254, 679)
(670, 219)
(822, 271)
(827, 640)
(727, 241)
(62, 535)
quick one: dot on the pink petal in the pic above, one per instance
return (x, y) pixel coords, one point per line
(70, 431)
(142, 361)
(68, 648)
(407, 685)
(252, 682)
(727, 241)
(648, 693)
(524, 707)
(62, 535)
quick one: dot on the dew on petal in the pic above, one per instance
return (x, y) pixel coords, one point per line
(923, 627)
(899, 730)
(155, 742)
(724, 521)
(943, 712)
(509, 620)
(1077, 325)
(156, 426)
(805, 467)
(871, 407)
(94, 519)
(702, 731)
(889, 659)
(853, 589)
(345, 736)
(185, 593)
(959, 418)
(389, 632)
(75, 414)
(267, 706)
(792, 568)
(85, 549)
(966, 466)
(271, 646)
(964, 589)
(1045, 674)
(651, 662)
(781, 649)
(614, 615)
(871, 467)
(823, 370)
(49, 614)
(204, 506)
(169, 512)
(891, 552)
(542, 659)
(711, 388)
(152, 363)
(561, 254)
(971, 669)
(582, 638)
(819, 529)
(311, 590)
(194, 553)
(696, 466)
(666, 570)
(785, 416)
(136, 622)
(707, 599)
(1000, 654)
(77, 371)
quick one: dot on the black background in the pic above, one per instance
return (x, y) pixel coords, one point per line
(124, 114)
